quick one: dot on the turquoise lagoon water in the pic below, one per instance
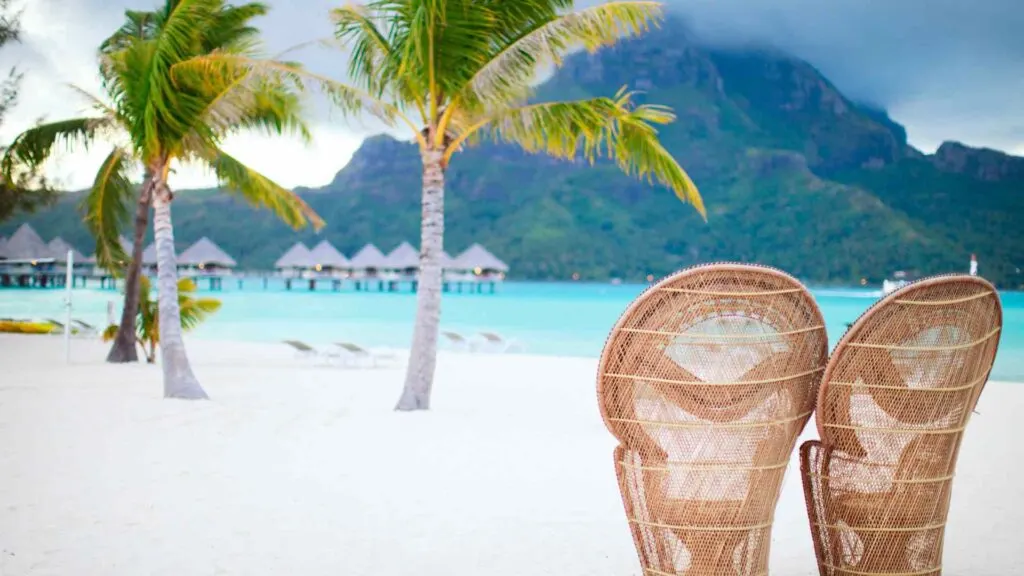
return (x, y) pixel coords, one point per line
(567, 319)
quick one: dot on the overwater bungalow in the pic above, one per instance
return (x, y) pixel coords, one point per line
(27, 260)
(59, 249)
(404, 259)
(328, 260)
(126, 245)
(447, 262)
(149, 258)
(369, 262)
(25, 244)
(481, 263)
(205, 258)
(295, 261)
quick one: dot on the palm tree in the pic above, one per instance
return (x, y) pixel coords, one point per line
(168, 115)
(193, 311)
(464, 70)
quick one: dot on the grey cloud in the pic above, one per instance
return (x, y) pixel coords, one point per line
(948, 69)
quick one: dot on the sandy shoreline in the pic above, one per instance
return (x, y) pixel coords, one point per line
(301, 469)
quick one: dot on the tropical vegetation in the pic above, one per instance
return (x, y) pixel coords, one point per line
(22, 190)
(783, 159)
(161, 112)
(193, 311)
(454, 72)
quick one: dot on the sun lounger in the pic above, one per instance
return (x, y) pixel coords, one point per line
(77, 329)
(458, 341)
(82, 324)
(707, 380)
(894, 402)
(357, 353)
(303, 350)
(497, 343)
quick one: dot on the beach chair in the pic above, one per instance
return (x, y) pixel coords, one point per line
(83, 325)
(894, 402)
(76, 330)
(458, 341)
(497, 343)
(303, 350)
(706, 381)
(356, 353)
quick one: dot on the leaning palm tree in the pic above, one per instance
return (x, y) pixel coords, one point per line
(456, 71)
(164, 119)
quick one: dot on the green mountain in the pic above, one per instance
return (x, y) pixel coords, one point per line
(794, 175)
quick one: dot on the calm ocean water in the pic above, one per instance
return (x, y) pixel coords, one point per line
(548, 318)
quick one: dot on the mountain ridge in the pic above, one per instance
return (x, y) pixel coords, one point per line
(794, 174)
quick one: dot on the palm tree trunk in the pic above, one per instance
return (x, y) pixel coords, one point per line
(179, 381)
(419, 376)
(123, 349)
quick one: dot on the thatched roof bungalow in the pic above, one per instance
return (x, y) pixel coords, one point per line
(59, 249)
(206, 256)
(478, 260)
(326, 257)
(149, 255)
(369, 261)
(25, 246)
(404, 258)
(295, 260)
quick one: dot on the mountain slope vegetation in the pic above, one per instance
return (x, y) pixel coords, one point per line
(793, 173)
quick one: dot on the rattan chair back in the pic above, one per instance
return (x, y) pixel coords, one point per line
(707, 380)
(894, 402)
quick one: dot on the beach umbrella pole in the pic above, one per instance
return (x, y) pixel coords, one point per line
(67, 307)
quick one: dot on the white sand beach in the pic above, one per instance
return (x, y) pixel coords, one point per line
(299, 469)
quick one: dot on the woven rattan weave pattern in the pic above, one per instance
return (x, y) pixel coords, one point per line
(894, 403)
(706, 380)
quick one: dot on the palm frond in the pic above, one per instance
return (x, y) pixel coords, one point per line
(368, 46)
(138, 25)
(229, 28)
(366, 32)
(106, 208)
(595, 128)
(259, 190)
(109, 116)
(147, 326)
(194, 310)
(169, 113)
(34, 146)
(250, 102)
(509, 70)
(222, 68)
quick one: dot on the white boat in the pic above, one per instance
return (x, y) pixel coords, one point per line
(890, 286)
(899, 280)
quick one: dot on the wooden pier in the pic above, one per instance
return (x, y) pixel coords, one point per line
(27, 262)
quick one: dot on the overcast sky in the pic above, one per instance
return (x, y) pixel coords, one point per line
(947, 69)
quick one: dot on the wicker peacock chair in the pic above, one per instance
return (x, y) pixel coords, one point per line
(893, 405)
(707, 380)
